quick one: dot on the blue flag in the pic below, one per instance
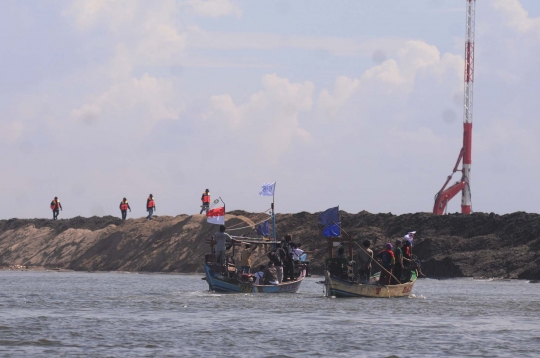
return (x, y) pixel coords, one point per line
(332, 230)
(268, 189)
(329, 216)
(263, 229)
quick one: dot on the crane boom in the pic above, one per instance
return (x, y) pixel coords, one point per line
(444, 195)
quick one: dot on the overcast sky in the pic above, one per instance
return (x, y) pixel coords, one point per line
(350, 103)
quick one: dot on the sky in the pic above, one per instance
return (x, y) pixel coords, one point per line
(353, 103)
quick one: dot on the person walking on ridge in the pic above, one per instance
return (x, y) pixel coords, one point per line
(150, 206)
(124, 206)
(56, 207)
(205, 198)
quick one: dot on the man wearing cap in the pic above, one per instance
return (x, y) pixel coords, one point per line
(410, 236)
(387, 260)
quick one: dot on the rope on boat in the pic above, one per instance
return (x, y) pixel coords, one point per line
(249, 226)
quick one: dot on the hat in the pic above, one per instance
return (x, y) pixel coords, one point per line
(412, 232)
(388, 246)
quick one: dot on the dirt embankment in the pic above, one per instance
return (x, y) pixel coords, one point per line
(449, 246)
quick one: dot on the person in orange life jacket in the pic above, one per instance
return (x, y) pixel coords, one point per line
(150, 206)
(56, 207)
(124, 206)
(387, 260)
(205, 198)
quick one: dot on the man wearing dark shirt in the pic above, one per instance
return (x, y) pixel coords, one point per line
(398, 265)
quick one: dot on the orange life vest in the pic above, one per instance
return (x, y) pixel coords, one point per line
(150, 204)
(124, 205)
(55, 204)
(206, 198)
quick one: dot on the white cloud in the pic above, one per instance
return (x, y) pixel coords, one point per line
(517, 17)
(271, 115)
(11, 131)
(339, 46)
(212, 8)
(138, 103)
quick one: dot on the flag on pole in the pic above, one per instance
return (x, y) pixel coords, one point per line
(216, 216)
(332, 230)
(268, 189)
(329, 216)
(263, 229)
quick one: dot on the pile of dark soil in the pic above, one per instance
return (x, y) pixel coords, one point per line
(453, 245)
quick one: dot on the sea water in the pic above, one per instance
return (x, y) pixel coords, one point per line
(129, 315)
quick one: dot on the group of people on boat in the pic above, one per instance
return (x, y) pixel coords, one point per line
(283, 258)
(395, 262)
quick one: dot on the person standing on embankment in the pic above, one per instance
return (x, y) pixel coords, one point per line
(205, 198)
(56, 207)
(150, 206)
(124, 206)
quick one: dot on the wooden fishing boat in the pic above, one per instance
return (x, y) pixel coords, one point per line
(341, 280)
(233, 281)
(339, 287)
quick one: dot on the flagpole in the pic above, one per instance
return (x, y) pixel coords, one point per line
(273, 213)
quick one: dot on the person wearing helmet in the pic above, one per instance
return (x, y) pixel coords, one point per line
(150, 206)
(56, 207)
(124, 206)
(205, 198)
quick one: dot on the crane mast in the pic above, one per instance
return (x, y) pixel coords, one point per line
(465, 156)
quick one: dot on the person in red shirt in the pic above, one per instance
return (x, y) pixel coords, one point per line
(124, 206)
(56, 207)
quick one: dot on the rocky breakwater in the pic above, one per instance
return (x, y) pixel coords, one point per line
(455, 245)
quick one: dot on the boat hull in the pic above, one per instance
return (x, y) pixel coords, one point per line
(219, 283)
(343, 288)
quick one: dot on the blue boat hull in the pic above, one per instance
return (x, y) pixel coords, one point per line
(220, 283)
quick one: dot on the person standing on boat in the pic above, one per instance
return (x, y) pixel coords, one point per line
(397, 270)
(386, 257)
(221, 238)
(56, 207)
(245, 258)
(205, 198)
(363, 258)
(410, 237)
(150, 206)
(270, 275)
(288, 274)
(124, 206)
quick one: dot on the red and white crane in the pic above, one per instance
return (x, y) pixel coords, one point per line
(464, 185)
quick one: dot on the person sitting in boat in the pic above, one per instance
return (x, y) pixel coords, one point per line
(221, 238)
(387, 260)
(259, 275)
(363, 259)
(397, 270)
(270, 275)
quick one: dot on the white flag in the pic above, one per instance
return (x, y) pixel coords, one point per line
(268, 189)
